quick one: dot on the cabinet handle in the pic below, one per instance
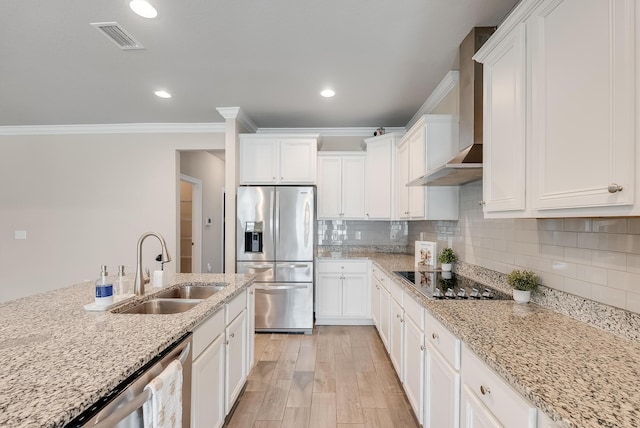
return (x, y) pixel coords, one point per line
(251, 293)
(401, 320)
(422, 347)
(227, 342)
(281, 178)
(233, 335)
(435, 336)
(484, 390)
(481, 202)
(274, 178)
(397, 316)
(613, 188)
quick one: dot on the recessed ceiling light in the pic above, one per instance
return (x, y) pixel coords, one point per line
(163, 94)
(328, 93)
(143, 8)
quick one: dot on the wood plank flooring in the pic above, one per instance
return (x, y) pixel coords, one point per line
(338, 377)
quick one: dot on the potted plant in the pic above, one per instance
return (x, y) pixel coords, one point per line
(523, 283)
(446, 258)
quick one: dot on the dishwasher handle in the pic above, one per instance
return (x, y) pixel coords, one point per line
(136, 402)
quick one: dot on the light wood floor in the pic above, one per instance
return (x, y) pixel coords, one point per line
(340, 376)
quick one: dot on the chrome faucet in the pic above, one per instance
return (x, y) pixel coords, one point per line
(140, 281)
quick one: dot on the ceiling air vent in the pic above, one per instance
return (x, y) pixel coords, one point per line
(118, 35)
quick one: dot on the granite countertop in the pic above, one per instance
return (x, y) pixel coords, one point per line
(56, 359)
(579, 375)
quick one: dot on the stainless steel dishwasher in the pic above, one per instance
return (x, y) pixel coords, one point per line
(123, 407)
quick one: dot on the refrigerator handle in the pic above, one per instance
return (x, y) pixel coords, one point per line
(277, 220)
(272, 220)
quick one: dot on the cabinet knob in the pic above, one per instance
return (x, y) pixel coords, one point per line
(435, 336)
(281, 178)
(401, 320)
(274, 178)
(232, 335)
(422, 347)
(481, 203)
(613, 188)
(484, 390)
(251, 293)
(397, 316)
(227, 342)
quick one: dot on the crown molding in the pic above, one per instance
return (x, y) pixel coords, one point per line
(330, 132)
(449, 82)
(115, 128)
(238, 114)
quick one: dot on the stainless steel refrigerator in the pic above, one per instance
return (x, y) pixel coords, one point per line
(276, 234)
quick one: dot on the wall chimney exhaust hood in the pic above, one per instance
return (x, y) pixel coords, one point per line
(467, 165)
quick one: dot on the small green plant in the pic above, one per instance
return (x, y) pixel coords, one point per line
(447, 256)
(523, 280)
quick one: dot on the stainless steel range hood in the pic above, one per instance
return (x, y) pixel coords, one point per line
(467, 165)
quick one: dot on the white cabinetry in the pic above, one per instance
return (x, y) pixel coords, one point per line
(396, 337)
(413, 354)
(341, 185)
(235, 313)
(208, 379)
(342, 292)
(285, 159)
(489, 401)
(251, 326)
(380, 176)
(576, 102)
(430, 142)
(442, 377)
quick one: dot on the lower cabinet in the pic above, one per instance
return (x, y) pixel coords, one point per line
(342, 292)
(442, 392)
(413, 365)
(236, 342)
(208, 398)
(220, 363)
(396, 338)
(385, 316)
(488, 401)
(251, 326)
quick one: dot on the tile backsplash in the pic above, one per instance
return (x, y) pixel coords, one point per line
(362, 233)
(593, 258)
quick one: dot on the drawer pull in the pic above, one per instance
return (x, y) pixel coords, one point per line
(613, 188)
(484, 390)
(435, 336)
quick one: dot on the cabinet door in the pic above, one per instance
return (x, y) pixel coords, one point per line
(442, 392)
(396, 332)
(258, 161)
(385, 317)
(251, 326)
(375, 302)
(355, 301)
(298, 159)
(236, 356)
(474, 414)
(504, 125)
(582, 105)
(353, 187)
(414, 366)
(207, 386)
(329, 187)
(402, 192)
(329, 295)
(417, 168)
(379, 191)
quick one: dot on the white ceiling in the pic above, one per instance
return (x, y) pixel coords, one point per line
(269, 57)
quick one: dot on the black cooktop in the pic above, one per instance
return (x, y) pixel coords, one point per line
(448, 285)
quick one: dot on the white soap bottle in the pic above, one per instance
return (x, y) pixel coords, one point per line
(104, 288)
(121, 286)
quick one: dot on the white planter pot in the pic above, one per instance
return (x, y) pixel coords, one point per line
(521, 296)
(446, 274)
(446, 267)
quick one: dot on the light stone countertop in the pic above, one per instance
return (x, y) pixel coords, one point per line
(581, 376)
(56, 359)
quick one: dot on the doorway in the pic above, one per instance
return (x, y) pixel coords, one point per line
(190, 224)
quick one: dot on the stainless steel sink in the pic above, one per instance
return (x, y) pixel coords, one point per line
(192, 292)
(162, 306)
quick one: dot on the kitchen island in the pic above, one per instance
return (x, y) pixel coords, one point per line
(56, 359)
(579, 375)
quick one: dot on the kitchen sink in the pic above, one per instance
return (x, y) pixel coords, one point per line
(163, 306)
(192, 292)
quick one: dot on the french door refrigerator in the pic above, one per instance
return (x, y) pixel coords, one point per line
(275, 240)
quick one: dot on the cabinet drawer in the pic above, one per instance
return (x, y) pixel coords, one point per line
(380, 276)
(343, 266)
(235, 306)
(503, 401)
(441, 339)
(414, 310)
(396, 292)
(207, 331)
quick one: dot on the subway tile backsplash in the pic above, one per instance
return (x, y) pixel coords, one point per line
(362, 233)
(593, 258)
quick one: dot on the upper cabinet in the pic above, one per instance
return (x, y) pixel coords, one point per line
(271, 159)
(380, 176)
(430, 142)
(341, 185)
(559, 121)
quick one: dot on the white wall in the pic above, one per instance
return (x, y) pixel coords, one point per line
(84, 200)
(210, 170)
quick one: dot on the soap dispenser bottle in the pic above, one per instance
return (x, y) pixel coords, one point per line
(104, 288)
(121, 286)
